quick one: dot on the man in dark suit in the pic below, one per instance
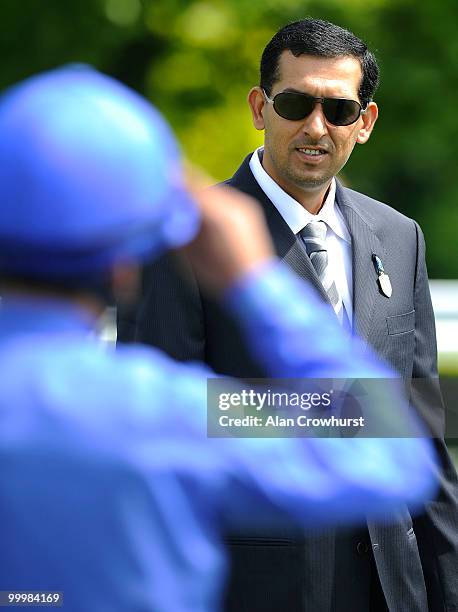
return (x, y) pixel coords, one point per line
(367, 261)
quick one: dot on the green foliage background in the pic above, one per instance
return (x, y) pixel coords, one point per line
(196, 60)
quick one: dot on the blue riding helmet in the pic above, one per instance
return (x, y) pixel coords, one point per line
(90, 174)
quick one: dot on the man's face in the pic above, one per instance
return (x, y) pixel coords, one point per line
(285, 158)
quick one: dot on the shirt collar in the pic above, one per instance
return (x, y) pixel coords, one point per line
(295, 215)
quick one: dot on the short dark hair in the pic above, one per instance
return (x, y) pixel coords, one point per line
(322, 39)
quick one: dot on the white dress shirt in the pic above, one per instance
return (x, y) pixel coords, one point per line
(338, 239)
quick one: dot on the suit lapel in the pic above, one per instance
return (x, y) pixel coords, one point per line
(365, 242)
(290, 249)
(286, 244)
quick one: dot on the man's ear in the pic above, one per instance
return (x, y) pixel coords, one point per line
(257, 103)
(369, 117)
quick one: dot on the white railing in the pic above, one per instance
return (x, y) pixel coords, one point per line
(444, 294)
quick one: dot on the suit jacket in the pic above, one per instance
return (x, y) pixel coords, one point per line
(416, 559)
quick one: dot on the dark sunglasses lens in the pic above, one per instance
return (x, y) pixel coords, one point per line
(293, 106)
(341, 112)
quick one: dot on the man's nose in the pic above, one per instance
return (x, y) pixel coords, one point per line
(315, 124)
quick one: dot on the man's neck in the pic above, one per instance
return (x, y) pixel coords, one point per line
(312, 201)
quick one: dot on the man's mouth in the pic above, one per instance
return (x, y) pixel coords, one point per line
(312, 156)
(314, 152)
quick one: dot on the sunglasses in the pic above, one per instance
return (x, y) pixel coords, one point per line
(296, 106)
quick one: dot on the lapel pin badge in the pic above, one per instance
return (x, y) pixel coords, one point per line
(383, 278)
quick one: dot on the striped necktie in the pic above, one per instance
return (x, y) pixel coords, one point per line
(314, 238)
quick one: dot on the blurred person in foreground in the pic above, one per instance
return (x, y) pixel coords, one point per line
(366, 261)
(110, 490)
